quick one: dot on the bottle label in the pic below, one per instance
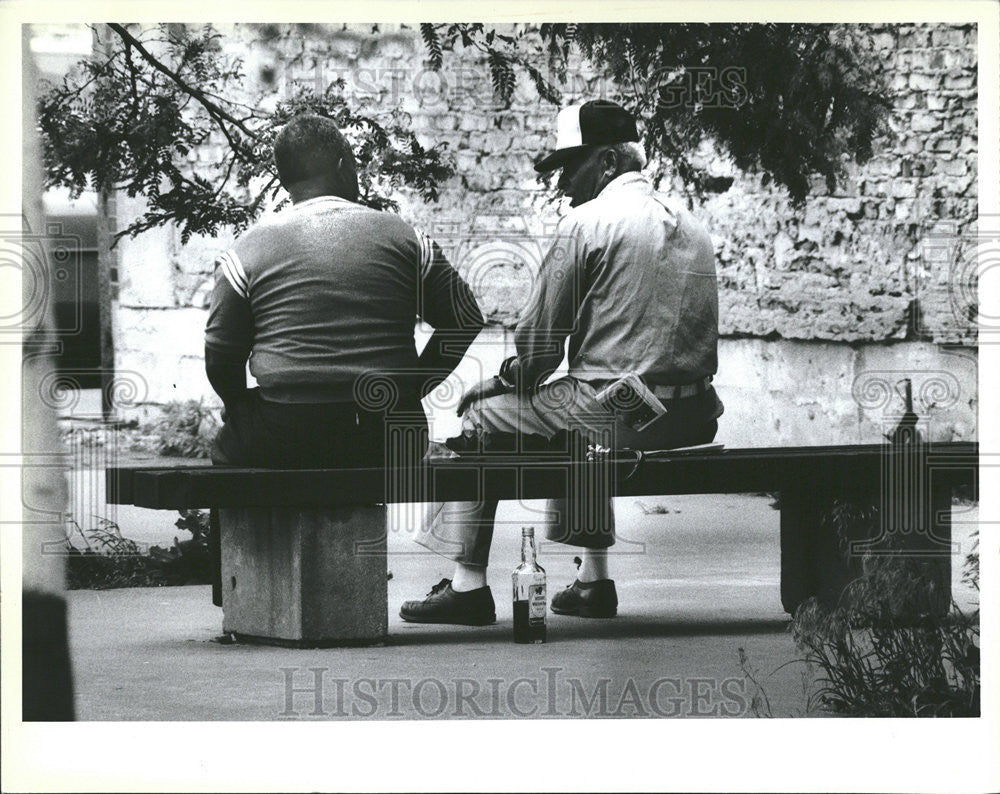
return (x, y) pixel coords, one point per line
(536, 604)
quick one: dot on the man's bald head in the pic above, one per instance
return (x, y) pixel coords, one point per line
(314, 159)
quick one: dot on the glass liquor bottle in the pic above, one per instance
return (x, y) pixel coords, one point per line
(529, 593)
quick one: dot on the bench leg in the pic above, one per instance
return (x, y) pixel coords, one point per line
(215, 555)
(798, 513)
(305, 577)
(817, 561)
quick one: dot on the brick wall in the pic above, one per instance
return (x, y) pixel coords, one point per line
(882, 261)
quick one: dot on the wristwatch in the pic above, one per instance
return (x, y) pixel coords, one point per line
(509, 370)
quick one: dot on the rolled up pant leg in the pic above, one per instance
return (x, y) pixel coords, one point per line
(463, 531)
(586, 519)
(459, 531)
(595, 530)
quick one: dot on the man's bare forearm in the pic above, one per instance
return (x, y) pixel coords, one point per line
(443, 352)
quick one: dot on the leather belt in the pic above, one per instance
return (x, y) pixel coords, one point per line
(668, 392)
(679, 392)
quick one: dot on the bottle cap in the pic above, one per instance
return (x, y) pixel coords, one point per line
(527, 532)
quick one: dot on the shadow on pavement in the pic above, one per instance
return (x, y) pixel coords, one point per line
(617, 629)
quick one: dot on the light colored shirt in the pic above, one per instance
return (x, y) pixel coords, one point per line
(630, 281)
(327, 291)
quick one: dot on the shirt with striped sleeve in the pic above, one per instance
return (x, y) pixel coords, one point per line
(323, 293)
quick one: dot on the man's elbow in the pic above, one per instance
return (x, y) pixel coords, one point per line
(226, 372)
(474, 327)
(465, 311)
(469, 323)
(534, 370)
(217, 360)
(471, 319)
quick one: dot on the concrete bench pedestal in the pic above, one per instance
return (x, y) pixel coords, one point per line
(304, 577)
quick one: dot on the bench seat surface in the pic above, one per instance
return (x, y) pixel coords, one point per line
(539, 476)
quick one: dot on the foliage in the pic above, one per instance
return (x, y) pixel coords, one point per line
(185, 429)
(187, 561)
(110, 560)
(504, 54)
(130, 118)
(789, 100)
(970, 569)
(886, 649)
(892, 668)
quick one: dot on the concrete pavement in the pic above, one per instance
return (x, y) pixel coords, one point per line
(698, 579)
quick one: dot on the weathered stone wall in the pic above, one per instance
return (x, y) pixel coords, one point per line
(877, 270)
(788, 392)
(871, 261)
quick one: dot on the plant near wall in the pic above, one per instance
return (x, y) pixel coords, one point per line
(101, 557)
(871, 662)
(129, 117)
(184, 429)
(186, 561)
(885, 650)
(791, 101)
(106, 559)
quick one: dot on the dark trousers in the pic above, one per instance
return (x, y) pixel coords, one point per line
(259, 432)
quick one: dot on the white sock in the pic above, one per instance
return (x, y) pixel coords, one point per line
(594, 565)
(468, 577)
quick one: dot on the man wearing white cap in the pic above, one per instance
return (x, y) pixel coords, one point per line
(630, 282)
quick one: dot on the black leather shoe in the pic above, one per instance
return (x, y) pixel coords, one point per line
(587, 599)
(445, 605)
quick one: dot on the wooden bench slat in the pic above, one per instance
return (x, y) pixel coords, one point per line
(726, 471)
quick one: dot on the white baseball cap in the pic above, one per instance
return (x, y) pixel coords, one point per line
(594, 123)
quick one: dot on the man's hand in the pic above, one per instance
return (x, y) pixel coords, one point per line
(487, 388)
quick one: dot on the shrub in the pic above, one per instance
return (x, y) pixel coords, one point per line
(185, 429)
(187, 561)
(926, 668)
(109, 559)
(885, 650)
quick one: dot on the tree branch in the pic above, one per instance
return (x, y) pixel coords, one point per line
(211, 107)
(97, 73)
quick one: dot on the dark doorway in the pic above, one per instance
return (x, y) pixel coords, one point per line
(73, 257)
